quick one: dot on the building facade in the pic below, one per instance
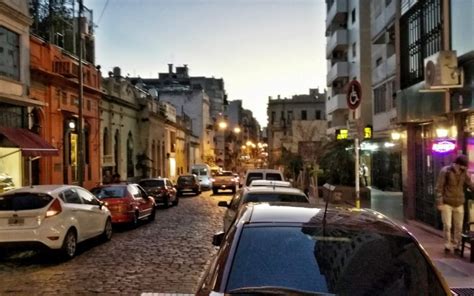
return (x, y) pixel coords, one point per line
(436, 113)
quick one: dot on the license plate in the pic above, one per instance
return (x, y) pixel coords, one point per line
(16, 221)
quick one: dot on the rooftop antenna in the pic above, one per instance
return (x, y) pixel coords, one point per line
(331, 190)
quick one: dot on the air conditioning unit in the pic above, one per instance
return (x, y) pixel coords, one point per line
(441, 71)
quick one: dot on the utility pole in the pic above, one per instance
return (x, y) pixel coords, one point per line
(80, 139)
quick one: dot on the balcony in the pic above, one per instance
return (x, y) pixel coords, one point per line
(336, 102)
(338, 70)
(338, 41)
(384, 70)
(382, 21)
(336, 15)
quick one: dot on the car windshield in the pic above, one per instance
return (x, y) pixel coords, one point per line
(24, 201)
(224, 174)
(109, 192)
(344, 262)
(274, 177)
(152, 183)
(253, 176)
(185, 179)
(274, 197)
(199, 172)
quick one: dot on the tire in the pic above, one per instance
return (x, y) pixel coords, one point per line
(152, 215)
(166, 202)
(69, 247)
(135, 220)
(214, 190)
(108, 231)
(176, 201)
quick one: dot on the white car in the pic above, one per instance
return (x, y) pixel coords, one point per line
(55, 216)
(270, 183)
(262, 174)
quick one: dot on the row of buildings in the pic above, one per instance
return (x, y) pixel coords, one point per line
(136, 127)
(415, 65)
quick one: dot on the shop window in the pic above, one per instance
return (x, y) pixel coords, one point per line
(73, 154)
(9, 54)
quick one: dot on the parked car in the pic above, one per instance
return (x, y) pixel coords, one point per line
(188, 183)
(162, 190)
(128, 203)
(204, 174)
(301, 250)
(262, 174)
(54, 216)
(260, 194)
(224, 180)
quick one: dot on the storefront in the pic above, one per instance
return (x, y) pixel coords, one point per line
(18, 149)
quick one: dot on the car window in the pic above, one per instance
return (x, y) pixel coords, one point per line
(143, 192)
(253, 176)
(109, 192)
(71, 196)
(199, 172)
(185, 179)
(273, 176)
(168, 183)
(136, 193)
(275, 197)
(24, 201)
(225, 174)
(87, 198)
(341, 261)
(152, 183)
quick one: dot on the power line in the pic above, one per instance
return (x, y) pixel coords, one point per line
(102, 13)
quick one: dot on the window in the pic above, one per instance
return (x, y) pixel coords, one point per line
(9, 54)
(303, 115)
(353, 14)
(379, 100)
(394, 94)
(290, 116)
(70, 196)
(273, 117)
(354, 49)
(378, 62)
(317, 115)
(172, 142)
(130, 168)
(87, 198)
(134, 191)
(387, 2)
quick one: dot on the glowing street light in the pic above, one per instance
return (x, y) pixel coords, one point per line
(222, 125)
(237, 130)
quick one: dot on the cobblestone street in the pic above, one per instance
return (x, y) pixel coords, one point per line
(165, 256)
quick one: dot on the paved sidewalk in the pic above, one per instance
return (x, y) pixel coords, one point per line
(458, 272)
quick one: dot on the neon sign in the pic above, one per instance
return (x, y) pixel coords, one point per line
(443, 146)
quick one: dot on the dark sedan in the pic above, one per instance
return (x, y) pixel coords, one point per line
(188, 183)
(162, 190)
(300, 250)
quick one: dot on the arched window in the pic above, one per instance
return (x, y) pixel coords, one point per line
(130, 169)
(153, 158)
(117, 151)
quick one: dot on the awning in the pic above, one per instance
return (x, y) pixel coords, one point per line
(29, 143)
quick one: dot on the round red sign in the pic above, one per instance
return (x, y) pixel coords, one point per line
(354, 94)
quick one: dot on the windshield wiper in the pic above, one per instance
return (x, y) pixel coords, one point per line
(275, 290)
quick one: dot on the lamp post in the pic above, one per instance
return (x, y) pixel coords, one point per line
(80, 139)
(223, 126)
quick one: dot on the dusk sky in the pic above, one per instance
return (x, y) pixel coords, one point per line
(260, 48)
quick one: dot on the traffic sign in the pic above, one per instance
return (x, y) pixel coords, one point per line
(354, 94)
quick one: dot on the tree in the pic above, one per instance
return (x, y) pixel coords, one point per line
(338, 164)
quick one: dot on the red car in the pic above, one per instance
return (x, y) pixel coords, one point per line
(128, 203)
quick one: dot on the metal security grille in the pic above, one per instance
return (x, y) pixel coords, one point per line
(421, 36)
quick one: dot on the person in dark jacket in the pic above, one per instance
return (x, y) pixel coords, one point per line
(450, 199)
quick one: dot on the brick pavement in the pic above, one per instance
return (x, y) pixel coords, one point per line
(165, 256)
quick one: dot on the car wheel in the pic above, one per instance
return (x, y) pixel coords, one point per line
(166, 202)
(176, 201)
(135, 220)
(214, 191)
(152, 215)
(107, 234)
(69, 246)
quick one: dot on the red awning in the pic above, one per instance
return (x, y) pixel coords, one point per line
(29, 143)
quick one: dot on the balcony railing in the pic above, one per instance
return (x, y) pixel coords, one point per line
(338, 40)
(383, 19)
(384, 70)
(338, 70)
(336, 13)
(336, 102)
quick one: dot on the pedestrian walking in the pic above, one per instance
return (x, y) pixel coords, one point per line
(450, 199)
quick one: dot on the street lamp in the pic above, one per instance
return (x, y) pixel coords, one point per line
(237, 130)
(222, 125)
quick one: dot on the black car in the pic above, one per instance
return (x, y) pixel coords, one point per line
(162, 190)
(301, 250)
(188, 183)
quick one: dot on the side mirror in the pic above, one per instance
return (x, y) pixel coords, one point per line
(102, 204)
(223, 204)
(218, 238)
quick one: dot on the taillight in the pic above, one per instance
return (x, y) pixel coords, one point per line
(212, 179)
(54, 209)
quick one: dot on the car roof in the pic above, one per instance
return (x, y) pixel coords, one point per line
(48, 189)
(308, 214)
(153, 179)
(263, 171)
(187, 175)
(261, 189)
